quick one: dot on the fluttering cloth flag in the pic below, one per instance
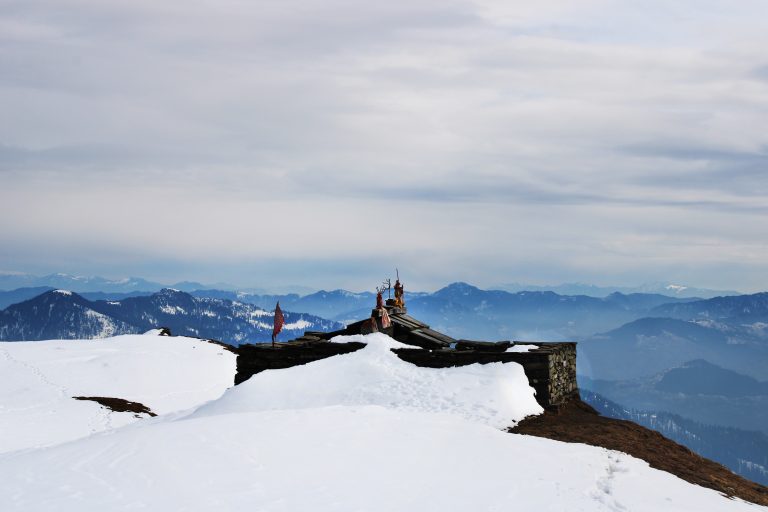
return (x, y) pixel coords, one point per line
(385, 321)
(279, 322)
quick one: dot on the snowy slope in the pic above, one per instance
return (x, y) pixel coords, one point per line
(361, 431)
(494, 394)
(39, 379)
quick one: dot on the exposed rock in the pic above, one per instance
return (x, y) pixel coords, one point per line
(118, 404)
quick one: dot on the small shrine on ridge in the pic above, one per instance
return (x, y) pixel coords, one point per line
(550, 367)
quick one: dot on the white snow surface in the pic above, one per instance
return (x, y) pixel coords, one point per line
(522, 348)
(172, 310)
(494, 394)
(298, 325)
(299, 439)
(38, 380)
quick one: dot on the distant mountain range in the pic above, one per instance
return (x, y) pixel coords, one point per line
(85, 284)
(650, 345)
(60, 314)
(744, 452)
(654, 332)
(743, 309)
(465, 311)
(82, 284)
(336, 304)
(10, 281)
(21, 294)
(696, 389)
(669, 289)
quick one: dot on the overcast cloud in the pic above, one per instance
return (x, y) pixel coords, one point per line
(323, 143)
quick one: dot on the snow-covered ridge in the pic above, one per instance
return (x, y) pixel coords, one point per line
(494, 394)
(360, 431)
(38, 380)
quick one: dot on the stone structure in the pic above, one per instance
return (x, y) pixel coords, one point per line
(550, 367)
(252, 359)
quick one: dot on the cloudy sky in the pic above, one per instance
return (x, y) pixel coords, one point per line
(324, 143)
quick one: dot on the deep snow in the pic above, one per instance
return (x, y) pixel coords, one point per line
(361, 431)
(38, 380)
(494, 394)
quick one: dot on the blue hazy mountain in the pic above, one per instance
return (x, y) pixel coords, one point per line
(703, 377)
(668, 289)
(58, 314)
(732, 310)
(466, 311)
(77, 283)
(61, 314)
(459, 309)
(340, 305)
(328, 304)
(83, 284)
(655, 332)
(649, 345)
(699, 390)
(745, 452)
(626, 321)
(20, 295)
(114, 295)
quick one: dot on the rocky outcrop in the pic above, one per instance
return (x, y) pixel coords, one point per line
(118, 404)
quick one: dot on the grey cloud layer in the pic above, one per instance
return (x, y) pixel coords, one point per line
(591, 136)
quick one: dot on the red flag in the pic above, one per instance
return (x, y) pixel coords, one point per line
(385, 321)
(279, 322)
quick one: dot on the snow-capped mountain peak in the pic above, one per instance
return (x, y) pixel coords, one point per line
(58, 314)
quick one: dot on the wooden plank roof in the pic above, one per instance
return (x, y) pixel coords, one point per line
(408, 322)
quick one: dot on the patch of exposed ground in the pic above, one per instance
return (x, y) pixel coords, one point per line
(577, 422)
(118, 404)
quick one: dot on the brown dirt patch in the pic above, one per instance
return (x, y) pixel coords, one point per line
(577, 422)
(118, 404)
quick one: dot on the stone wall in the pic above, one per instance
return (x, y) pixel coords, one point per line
(550, 368)
(562, 384)
(252, 359)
